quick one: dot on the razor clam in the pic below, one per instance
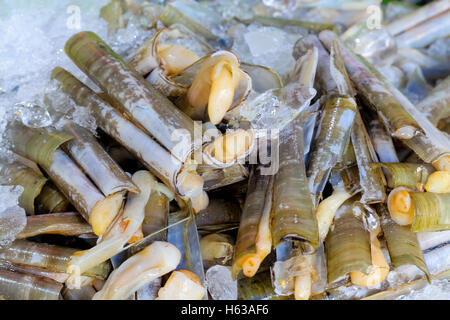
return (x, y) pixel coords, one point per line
(19, 286)
(136, 97)
(293, 215)
(254, 241)
(64, 223)
(50, 200)
(89, 202)
(258, 287)
(157, 159)
(97, 164)
(32, 182)
(382, 142)
(120, 232)
(401, 242)
(49, 257)
(411, 175)
(296, 273)
(420, 135)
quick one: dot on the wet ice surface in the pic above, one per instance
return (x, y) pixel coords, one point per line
(12, 217)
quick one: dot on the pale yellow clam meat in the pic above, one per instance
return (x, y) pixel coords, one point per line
(379, 269)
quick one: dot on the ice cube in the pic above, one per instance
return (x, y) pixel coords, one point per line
(12, 221)
(220, 284)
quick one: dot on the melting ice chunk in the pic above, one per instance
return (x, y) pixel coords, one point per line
(220, 284)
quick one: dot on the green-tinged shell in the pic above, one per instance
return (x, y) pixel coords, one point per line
(216, 178)
(431, 211)
(371, 179)
(217, 249)
(412, 175)
(47, 256)
(221, 213)
(171, 15)
(31, 181)
(281, 22)
(95, 161)
(407, 288)
(64, 223)
(254, 209)
(331, 140)
(347, 245)
(401, 242)
(152, 155)
(437, 104)
(84, 293)
(112, 13)
(292, 209)
(19, 286)
(37, 145)
(51, 200)
(72, 182)
(143, 103)
(259, 287)
(147, 57)
(399, 122)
